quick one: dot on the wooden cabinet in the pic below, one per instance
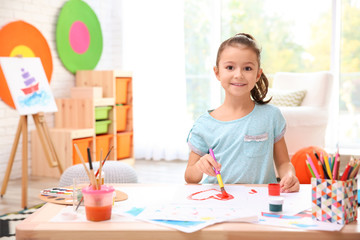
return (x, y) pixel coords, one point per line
(63, 140)
(117, 85)
(80, 119)
(81, 113)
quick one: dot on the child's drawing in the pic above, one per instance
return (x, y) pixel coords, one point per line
(209, 194)
(28, 85)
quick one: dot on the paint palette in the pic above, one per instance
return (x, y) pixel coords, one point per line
(58, 192)
(63, 195)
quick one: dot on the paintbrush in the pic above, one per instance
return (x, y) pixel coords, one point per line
(218, 176)
(100, 170)
(82, 161)
(92, 175)
(97, 172)
(82, 199)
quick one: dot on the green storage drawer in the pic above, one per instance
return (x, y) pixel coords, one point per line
(102, 127)
(102, 113)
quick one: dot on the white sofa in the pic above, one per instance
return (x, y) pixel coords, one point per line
(306, 124)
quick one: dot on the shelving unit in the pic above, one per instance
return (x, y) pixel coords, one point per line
(63, 140)
(118, 85)
(80, 113)
(75, 121)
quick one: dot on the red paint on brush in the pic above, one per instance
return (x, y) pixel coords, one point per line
(225, 194)
(220, 196)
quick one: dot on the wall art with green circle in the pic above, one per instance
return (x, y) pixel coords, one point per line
(79, 39)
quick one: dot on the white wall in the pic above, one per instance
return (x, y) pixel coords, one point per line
(43, 15)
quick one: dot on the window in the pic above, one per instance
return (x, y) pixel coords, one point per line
(201, 35)
(296, 36)
(349, 94)
(286, 30)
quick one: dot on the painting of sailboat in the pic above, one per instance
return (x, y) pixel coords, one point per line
(28, 85)
(31, 89)
(30, 82)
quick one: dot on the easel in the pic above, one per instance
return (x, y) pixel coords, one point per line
(48, 147)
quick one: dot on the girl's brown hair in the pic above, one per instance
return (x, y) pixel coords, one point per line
(258, 93)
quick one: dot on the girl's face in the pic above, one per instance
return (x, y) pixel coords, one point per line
(238, 70)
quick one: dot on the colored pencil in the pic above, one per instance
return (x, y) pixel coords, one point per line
(218, 176)
(308, 165)
(350, 169)
(324, 166)
(330, 163)
(326, 161)
(312, 166)
(355, 170)
(326, 175)
(344, 176)
(321, 171)
(336, 169)
(316, 155)
(336, 165)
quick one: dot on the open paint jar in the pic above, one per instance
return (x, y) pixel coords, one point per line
(274, 189)
(98, 203)
(276, 204)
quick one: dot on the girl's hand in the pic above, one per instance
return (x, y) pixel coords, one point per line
(289, 183)
(206, 164)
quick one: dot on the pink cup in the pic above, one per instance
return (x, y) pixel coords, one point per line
(98, 203)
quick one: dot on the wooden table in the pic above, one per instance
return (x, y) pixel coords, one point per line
(38, 226)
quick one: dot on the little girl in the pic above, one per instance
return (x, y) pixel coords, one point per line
(245, 133)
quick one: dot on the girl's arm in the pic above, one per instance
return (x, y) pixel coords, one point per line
(286, 171)
(198, 165)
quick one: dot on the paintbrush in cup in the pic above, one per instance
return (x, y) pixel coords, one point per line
(92, 175)
(107, 155)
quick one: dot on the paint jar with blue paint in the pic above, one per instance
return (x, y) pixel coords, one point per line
(276, 204)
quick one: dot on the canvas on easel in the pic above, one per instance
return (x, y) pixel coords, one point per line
(28, 85)
(31, 94)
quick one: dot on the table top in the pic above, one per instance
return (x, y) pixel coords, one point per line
(38, 226)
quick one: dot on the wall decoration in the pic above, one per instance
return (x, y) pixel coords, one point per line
(78, 36)
(28, 85)
(21, 39)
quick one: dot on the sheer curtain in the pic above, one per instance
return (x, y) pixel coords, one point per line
(153, 49)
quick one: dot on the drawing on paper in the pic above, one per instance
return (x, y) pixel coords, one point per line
(209, 194)
(28, 85)
(252, 191)
(32, 94)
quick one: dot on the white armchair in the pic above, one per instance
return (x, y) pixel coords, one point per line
(306, 124)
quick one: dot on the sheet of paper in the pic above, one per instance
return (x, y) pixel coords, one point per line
(302, 220)
(251, 199)
(189, 208)
(28, 85)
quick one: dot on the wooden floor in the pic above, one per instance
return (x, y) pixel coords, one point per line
(148, 172)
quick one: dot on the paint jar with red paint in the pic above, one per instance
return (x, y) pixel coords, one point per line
(274, 189)
(98, 203)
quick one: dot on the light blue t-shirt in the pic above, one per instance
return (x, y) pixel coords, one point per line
(244, 146)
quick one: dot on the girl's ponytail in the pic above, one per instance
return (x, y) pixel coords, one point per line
(258, 93)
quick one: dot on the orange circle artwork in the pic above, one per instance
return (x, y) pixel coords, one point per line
(20, 39)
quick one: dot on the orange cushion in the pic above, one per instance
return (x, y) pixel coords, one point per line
(298, 160)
